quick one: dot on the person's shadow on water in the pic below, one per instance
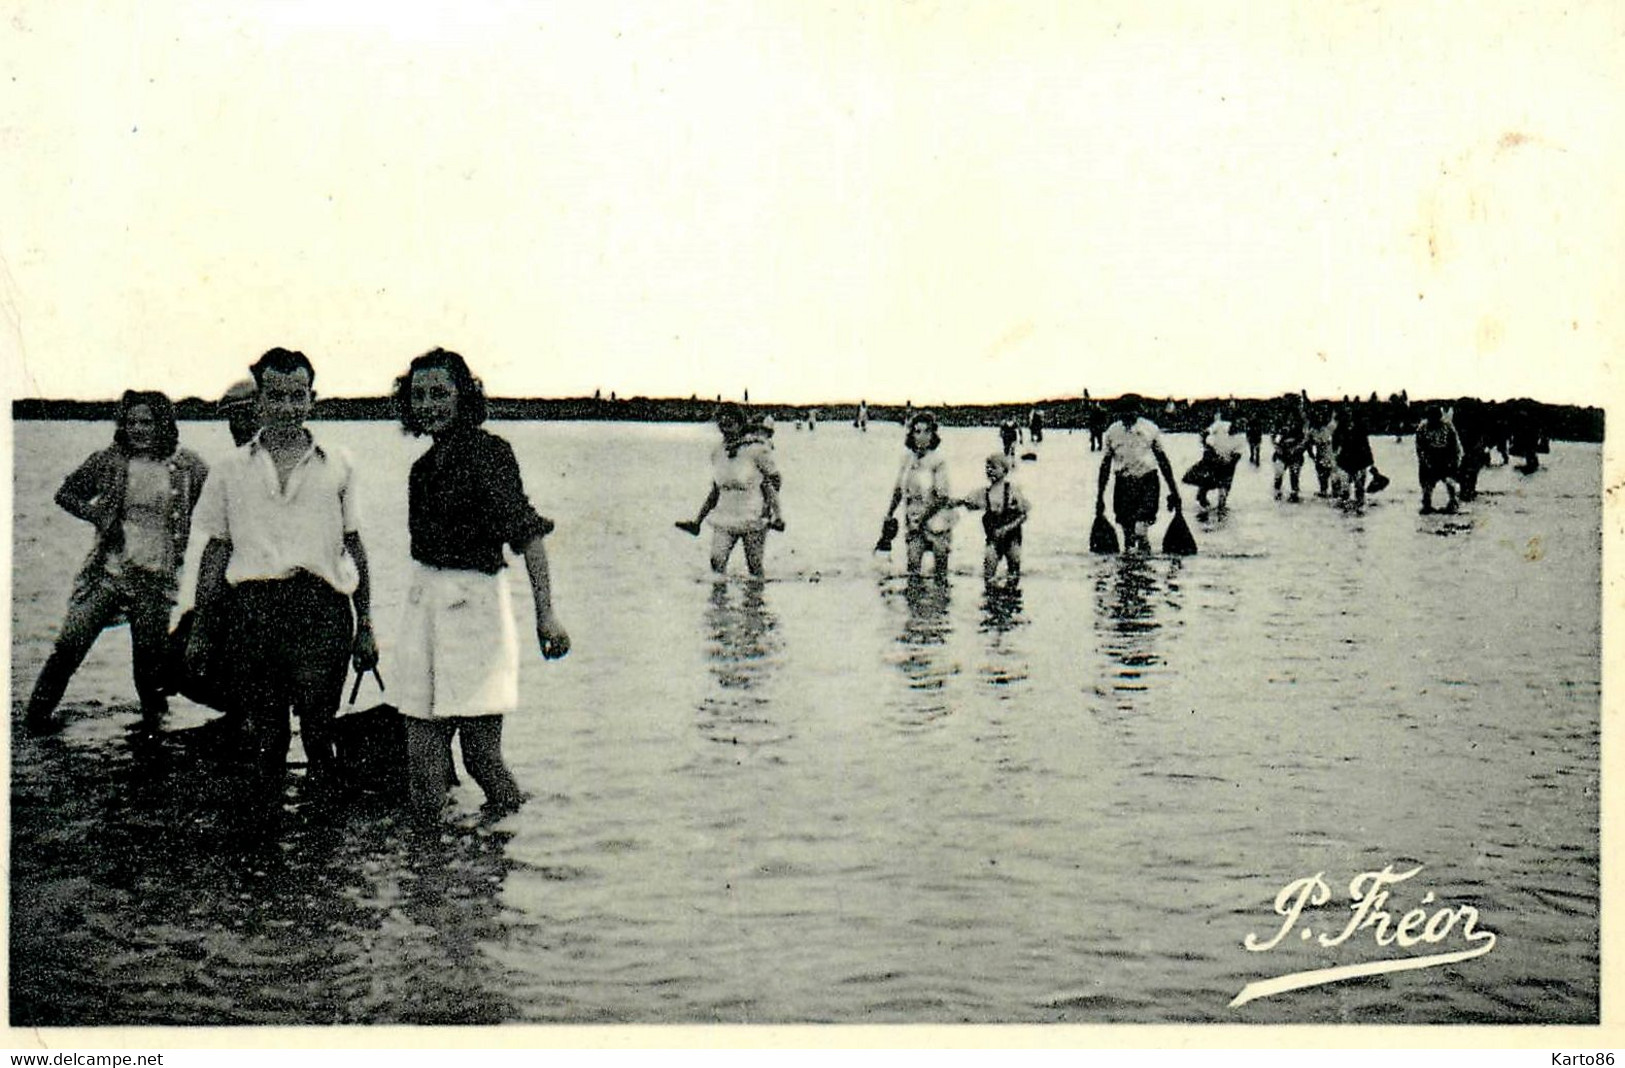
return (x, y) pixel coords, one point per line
(1002, 609)
(743, 633)
(742, 656)
(921, 647)
(1003, 620)
(304, 914)
(451, 892)
(1131, 594)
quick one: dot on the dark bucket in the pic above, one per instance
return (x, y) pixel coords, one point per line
(1177, 540)
(1102, 538)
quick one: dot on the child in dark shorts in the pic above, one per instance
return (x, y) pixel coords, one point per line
(1004, 510)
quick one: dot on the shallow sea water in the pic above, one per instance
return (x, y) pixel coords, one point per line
(842, 797)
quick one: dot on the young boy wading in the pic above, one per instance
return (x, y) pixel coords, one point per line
(279, 516)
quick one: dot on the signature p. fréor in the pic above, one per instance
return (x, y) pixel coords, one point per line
(1368, 900)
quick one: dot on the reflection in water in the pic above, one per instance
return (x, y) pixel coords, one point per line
(922, 659)
(927, 623)
(743, 656)
(1002, 622)
(1128, 597)
(451, 892)
(1001, 609)
(323, 913)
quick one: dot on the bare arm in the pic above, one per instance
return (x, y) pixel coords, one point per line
(211, 573)
(772, 482)
(550, 633)
(1100, 482)
(710, 503)
(770, 502)
(365, 651)
(1174, 502)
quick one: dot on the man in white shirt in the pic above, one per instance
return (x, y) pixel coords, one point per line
(1134, 446)
(279, 517)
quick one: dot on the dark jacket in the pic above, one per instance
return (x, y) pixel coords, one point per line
(95, 492)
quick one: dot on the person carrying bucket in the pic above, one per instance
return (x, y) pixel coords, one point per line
(1133, 449)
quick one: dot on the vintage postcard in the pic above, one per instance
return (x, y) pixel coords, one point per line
(814, 523)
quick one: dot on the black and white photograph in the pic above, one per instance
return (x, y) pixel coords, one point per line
(532, 519)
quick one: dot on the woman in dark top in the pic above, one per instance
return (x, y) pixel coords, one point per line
(1352, 445)
(458, 665)
(139, 494)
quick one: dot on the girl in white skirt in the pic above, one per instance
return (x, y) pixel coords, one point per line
(458, 667)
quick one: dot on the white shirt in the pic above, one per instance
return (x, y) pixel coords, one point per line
(276, 530)
(1129, 448)
(1222, 439)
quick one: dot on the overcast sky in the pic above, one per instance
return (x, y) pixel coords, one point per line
(936, 202)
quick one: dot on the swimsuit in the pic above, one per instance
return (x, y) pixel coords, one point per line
(922, 482)
(739, 477)
(992, 521)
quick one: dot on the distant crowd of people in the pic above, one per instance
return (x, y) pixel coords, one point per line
(1452, 446)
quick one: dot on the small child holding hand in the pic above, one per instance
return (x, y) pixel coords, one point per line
(1004, 509)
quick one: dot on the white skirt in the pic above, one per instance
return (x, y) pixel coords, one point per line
(457, 652)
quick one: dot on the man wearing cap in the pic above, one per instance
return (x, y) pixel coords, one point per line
(280, 523)
(238, 407)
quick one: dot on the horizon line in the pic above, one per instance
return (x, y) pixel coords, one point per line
(1039, 402)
